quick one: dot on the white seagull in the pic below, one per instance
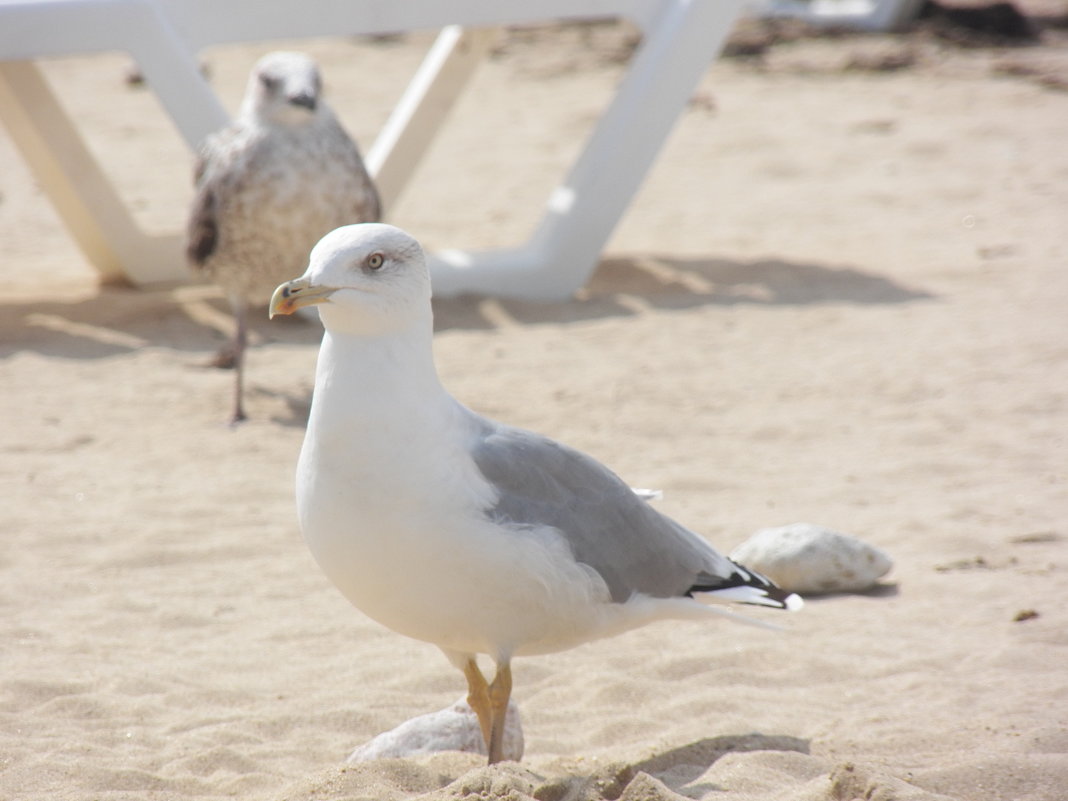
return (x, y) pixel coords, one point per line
(457, 530)
(269, 187)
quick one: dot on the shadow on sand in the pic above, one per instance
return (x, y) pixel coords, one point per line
(117, 320)
(631, 285)
(197, 318)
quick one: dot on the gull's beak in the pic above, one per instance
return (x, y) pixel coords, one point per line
(304, 99)
(297, 293)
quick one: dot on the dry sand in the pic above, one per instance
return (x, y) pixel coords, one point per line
(839, 298)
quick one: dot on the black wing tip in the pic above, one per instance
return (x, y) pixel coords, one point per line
(765, 591)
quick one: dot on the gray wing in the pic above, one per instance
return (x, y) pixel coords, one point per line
(633, 547)
(202, 231)
(202, 228)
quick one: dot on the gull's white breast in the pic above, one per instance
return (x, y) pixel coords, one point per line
(392, 508)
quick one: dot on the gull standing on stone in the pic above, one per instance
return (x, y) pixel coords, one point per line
(457, 530)
(268, 187)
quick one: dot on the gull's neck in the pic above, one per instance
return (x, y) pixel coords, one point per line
(374, 388)
(383, 431)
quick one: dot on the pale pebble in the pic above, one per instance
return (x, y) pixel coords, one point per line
(806, 558)
(454, 728)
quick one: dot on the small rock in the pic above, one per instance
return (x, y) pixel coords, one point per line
(504, 782)
(804, 558)
(454, 728)
(648, 788)
(977, 563)
(133, 76)
(882, 60)
(1036, 537)
(1025, 614)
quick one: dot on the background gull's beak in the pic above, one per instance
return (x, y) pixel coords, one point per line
(296, 294)
(304, 99)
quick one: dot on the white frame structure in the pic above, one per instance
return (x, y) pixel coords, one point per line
(680, 39)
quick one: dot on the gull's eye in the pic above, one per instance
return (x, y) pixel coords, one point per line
(269, 81)
(375, 261)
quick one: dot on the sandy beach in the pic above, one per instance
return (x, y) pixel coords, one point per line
(839, 298)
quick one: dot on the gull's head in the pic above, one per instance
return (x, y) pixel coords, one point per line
(284, 88)
(367, 279)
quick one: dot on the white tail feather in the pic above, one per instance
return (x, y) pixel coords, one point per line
(749, 595)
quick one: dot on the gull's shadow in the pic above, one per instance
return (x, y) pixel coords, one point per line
(627, 286)
(678, 768)
(701, 755)
(196, 319)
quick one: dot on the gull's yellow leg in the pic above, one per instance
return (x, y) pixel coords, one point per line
(478, 696)
(499, 693)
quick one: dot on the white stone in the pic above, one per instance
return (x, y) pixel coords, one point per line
(804, 558)
(454, 728)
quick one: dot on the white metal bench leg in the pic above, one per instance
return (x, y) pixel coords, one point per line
(679, 44)
(681, 38)
(93, 212)
(84, 198)
(418, 116)
(172, 71)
